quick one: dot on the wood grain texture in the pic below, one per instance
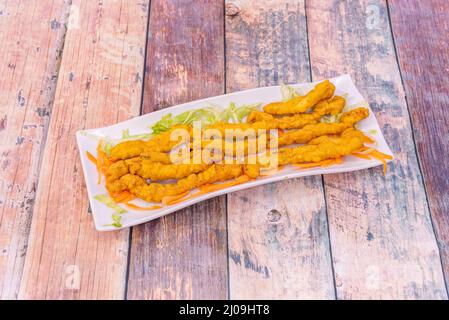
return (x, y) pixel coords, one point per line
(421, 32)
(99, 83)
(31, 35)
(382, 240)
(183, 255)
(278, 235)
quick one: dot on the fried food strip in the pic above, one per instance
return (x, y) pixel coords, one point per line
(148, 169)
(158, 144)
(152, 156)
(128, 149)
(312, 131)
(322, 91)
(282, 105)
(318, 149)
(156, 148)
(323, 148)
(265, 120)
(154, 192)
(158, 171)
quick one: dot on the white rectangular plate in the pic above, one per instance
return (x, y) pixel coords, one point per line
(103, 214)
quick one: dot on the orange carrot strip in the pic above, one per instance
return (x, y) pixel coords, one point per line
(175, 201)
(168, 199)
(381, 154)
(312, 164)
(94, 161)
(323, 163)
(271, 172)
(381, 157)
(203, 190)
(383, 162)
(215, 187)
(359, 155)
(332, 162)
(135, 207)
(362, 149)
(91, 157)
(368, 139)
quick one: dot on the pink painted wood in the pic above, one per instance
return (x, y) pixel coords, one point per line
(382, 240)
(182, 255)
(421, 32)
(31, 34)
(99, 84)
(278, 239)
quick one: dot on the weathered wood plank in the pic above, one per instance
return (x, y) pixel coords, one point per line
(421, 32)
(278, 236)
(382, 240)
(183, 255)
(99, 83)
(31, 35)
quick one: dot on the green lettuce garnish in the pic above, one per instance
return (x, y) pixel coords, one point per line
(331, 118)
(117, 220)
(109, 202)
(207, 116)
(288, 92)
(127, 136)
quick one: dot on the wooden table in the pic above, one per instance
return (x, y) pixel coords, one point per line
(70, 65)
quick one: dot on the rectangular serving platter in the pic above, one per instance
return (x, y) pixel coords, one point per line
(88, 140)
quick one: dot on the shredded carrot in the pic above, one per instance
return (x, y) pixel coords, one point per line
(170, 200)
(124, 196)
(182, 199)
(360, 155)
(215, 187)
(167, 200)
(381, 154)
(102, 161)
(91, 157)
(363, 149)
(271, 172)
(381, 157)
(324, 163)
(383, 162)
(332, 162)
(135, 207)
(368, 139)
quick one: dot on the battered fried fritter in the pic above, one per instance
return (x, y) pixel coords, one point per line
(265, 120)
(319, 149)
(282, 105)
(160, 143)
(323, 148)
(158, 171)
(148, 169)
(322, 91)
(312, 131)
(154, 192)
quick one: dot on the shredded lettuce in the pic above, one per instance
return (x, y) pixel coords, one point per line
(117, 220)
(331, 118)
(109, 202)
(206, 116)
(288, 92)
(127, 136)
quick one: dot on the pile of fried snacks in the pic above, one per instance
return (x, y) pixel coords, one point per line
(143, 168)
